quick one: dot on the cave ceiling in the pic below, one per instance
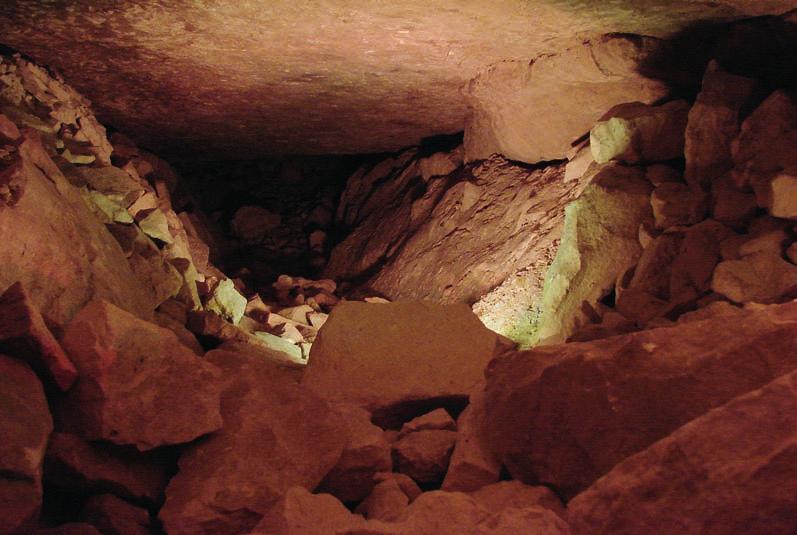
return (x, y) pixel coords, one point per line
(229, 79)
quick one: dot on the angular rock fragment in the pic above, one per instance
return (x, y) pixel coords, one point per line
(253, 223)
(25, 425)
(276, 435)
(732, 470)
(24, 335)
(386, 502)
(674, 204)
(227, 302)
(731, 205)
(362, 356)
(138, 384)
(300, 512)
(615, 397)
(438, 419)
(424, 455)
(366, 453)
(514, 494)
(783, 192)
(114, 516)
(762, 277)
(635, 132)
(75, 464)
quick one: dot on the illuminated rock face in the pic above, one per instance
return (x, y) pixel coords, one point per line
(350, 77)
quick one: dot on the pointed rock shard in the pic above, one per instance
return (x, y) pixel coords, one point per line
(615, 397)
(24, 335)
(227, 302)
(424, 455)
(25, 425)
(732, 470)
(138, 384)
(276, 435)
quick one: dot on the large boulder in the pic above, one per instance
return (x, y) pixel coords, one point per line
(733, 470)
(600, 242)
(276, 435)
(565, 415)
(61, 280)
(394, 358)
(533, 111)
(138, 384)
(25, 426)
(301, 513)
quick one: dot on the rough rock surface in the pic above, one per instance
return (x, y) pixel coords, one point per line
(387, 357)
(61, 279)
(114, 516)
(732, 470)
(25, 425)
(276, 435)
(615, 397)
(138, 384)
(75, 464)
(23, 334)
(599, 243)
(423, 455)
(300, 512)
(532, 111)
(351, 77)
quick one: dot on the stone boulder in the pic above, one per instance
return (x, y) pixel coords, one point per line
(675, 204)
(24, 335)
(615, 397)
(300, 512)
(533, 111)
(366, 453)
(138, 384)
(114, 516)
(436, 420)
(517, 495)
(75, 465)
(732, 470)
(276, 435)
(762, 276)
(25, 426)
(424, 455)
(600, 242)
(634, 132)
(395, 358)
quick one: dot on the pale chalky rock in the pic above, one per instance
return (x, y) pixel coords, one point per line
(528, 112)
(24, 335)
(227, 302)
(366, 453)
(617, 396)
(472, 465)
(675, 204)
(276, 435)
(599, 243)
(25, 425)
(762, 276)
(115, 516)
(424, 455)
(155, 225)
(714, 122)
(300, 512)
(75, 464)
(732, 470)
(391, 358)
(783, 192)
(635, 132)
(137, 383)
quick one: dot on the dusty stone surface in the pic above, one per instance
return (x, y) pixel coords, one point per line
(24, 335)
(114, 516)
(73, 463)
(276, 436)
(423, 455)
(532, 111)
(633, 133)
(617, 396)
(362, 355)
(300, 512)
(366, 453)
(138, 384)
(387, 502)
(599, 243)
(674, 204)
(438, 419)
(350, 78)
(731, 470)
(762, 276)
(25, 425)
(518, 495)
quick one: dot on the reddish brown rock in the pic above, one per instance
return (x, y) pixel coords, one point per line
(276, 435)
(25, 425)
(73, 528)
(424, 455)
(438, 419)
(674, 204)
(472, 465)
(762, 276)
(366, 453)
(386, 502)
(615, 397)
(73, 464)
(114, 516)
(731, 205)
(138, 384)
(517, 495)
(362, 356)
(300, 512)
(732, 470)
(24, 335)
(714, 122)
